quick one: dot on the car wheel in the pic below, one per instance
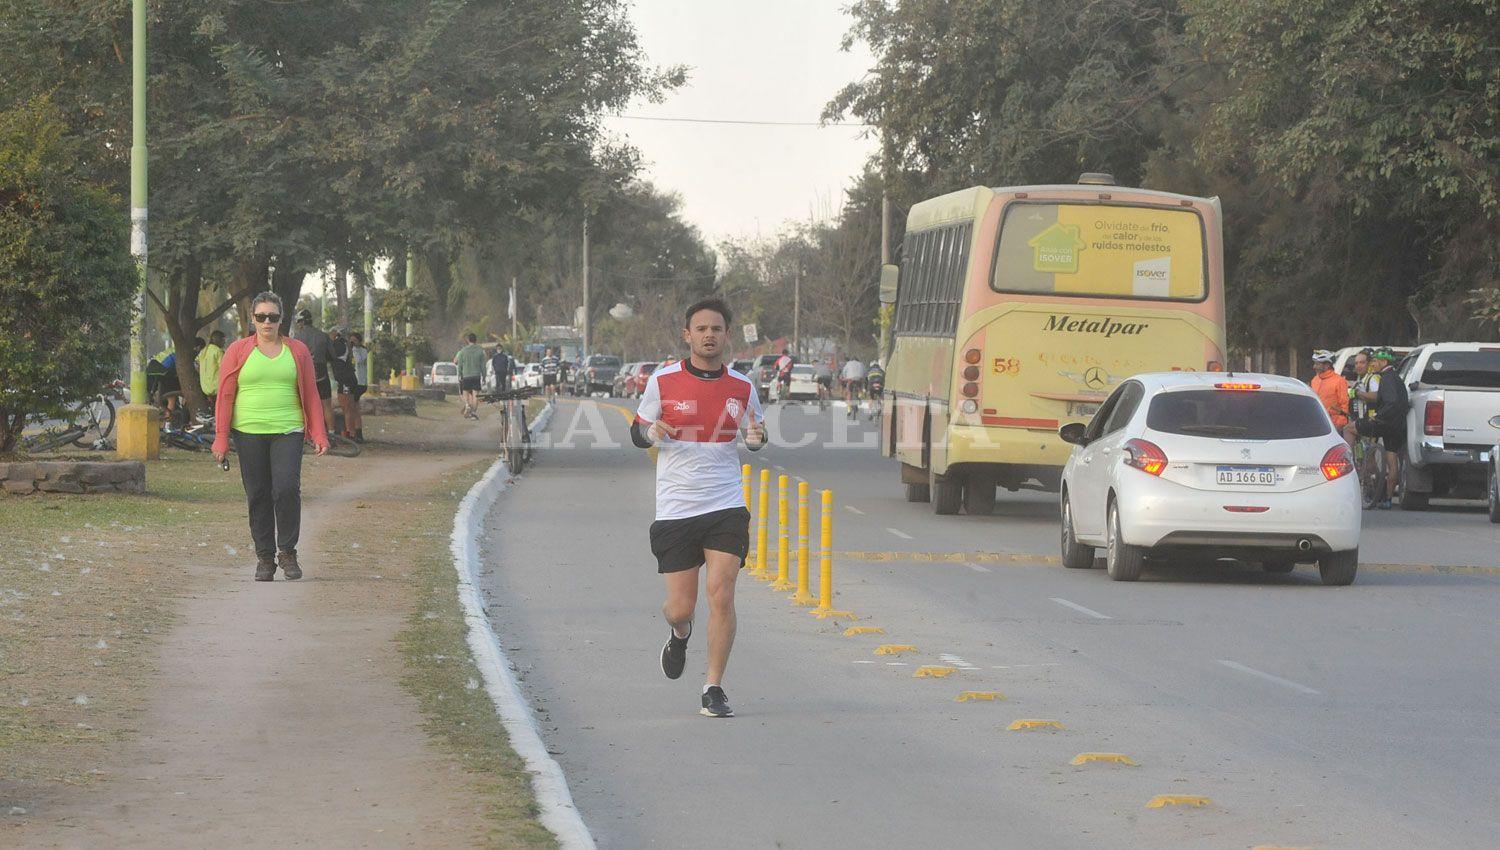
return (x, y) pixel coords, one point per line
(1122, 561)
(918, 493)
(1494, 494)
(947, 494)
(1411, 501)
(979, 498)
(1278, 566)
(1338, 568)
(1075, 555)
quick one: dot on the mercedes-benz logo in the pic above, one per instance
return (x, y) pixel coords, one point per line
(1095, 378)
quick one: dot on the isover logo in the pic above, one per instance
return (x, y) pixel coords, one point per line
(1105, 326)
(1055, 250)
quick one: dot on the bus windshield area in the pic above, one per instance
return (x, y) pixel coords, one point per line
(1100, 250)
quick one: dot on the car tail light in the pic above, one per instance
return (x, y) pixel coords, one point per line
(1236, 387)
(971, 373)
(1247, 509)
(1145, 456)
(1432, 418)
(972, 355)
(1337, 462)
(970, 389)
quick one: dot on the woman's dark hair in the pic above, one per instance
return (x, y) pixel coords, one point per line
(267, 297)
(715, 304)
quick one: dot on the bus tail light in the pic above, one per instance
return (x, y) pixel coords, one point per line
(970, 389)
(1432, 418)
(971, 373)
(1145, 456)
(972, 355)
(1337, 462)
(969, 407)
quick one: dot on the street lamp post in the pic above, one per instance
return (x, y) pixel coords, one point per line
(137, 437)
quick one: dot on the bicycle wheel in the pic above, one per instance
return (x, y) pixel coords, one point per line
(97, 417)
(342, 446)
(49, 440)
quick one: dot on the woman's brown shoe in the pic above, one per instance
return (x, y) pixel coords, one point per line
(289, 566)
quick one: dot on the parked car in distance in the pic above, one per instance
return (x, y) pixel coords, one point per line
(1343, 358)
(442, 376)
(763, 374)
(530, 375)
(1236, 465)
(595, 374)
(634, 378)
(1453, 423)
(617, 388)
(742, 366)
(804, 385)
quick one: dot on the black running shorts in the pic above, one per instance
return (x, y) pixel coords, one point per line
(468, 385)
(325, 389)
(678, 544)
(549, 380)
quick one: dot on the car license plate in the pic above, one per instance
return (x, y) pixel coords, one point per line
(1261, 476)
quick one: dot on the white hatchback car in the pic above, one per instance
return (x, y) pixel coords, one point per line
(1232, 465)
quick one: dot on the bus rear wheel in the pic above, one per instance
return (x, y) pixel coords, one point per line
(947, 494)
(918, 493)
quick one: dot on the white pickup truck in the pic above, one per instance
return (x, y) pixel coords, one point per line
(1453, 423)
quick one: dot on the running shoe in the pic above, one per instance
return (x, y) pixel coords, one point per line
(674, 653)
(715, 704)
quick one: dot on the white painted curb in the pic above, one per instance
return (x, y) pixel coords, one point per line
(553, 799)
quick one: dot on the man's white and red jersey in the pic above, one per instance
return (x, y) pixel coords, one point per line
(698, 471)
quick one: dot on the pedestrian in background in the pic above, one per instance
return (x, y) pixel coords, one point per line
(208, 366)
(341, 369)
(1331, 388)
(359, 356)
(268, 401)
(318, 345)
(470, 362)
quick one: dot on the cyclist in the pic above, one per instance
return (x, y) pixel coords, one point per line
(1331, 388)
(784, 374)
(853, 378)
(1388, 423)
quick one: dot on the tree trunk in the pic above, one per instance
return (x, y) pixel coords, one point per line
(341, 292)
(286, 281)
(182, 323)
(440, 269)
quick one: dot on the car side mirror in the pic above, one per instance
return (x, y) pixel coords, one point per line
(1073, 433)
(1413, 385)
(890, 279)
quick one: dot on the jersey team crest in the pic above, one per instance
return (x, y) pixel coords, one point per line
(733, 407)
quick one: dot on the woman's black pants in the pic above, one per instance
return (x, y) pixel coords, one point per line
(271, 468)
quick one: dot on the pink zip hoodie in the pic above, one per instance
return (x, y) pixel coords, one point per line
(307, 391)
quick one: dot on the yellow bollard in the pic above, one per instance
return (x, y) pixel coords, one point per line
(745, 484)
(783, 522)
(760, 524)
(803, 596)
(825, 563)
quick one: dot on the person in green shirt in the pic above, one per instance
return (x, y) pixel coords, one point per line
(470, 361)
(208, 366)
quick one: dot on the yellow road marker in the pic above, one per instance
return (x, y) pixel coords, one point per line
(933, 672)
(823, 614)
(893, 648)
(1163, 800)
(1020, 725)
(1111, 758)
(803, 596)
(863, 630)
(974, 696)
(783, 539)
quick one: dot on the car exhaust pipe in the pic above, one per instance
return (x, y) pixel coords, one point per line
(1304, 545)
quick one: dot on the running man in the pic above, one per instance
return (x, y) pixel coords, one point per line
(470, 362)
(551, 365)
(693, 411)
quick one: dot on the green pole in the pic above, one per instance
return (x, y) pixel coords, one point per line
(411, 284)
(138, 199)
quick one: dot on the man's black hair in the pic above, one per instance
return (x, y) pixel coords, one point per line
(715, 304)
(472, 337)
(216, 337)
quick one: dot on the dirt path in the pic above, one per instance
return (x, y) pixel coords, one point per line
(277, 717)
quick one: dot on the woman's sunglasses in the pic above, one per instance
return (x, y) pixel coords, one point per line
(267, 317)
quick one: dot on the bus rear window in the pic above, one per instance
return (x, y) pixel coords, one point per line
(1238, 415)
(1101, 251)
(1463, 369)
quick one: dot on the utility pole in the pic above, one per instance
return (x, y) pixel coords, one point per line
(585, 285)
(410, 382)
(797, 312)
(369, 282)
(514, 309)
(138, 437)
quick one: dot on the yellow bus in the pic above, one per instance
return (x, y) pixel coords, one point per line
(1019, 309)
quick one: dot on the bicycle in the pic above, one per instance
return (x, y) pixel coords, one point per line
(94, 417)
(338, 444)
(515, 436)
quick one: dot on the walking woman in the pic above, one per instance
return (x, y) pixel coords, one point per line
(268, 397)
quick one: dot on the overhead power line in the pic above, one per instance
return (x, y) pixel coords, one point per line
(744, 121)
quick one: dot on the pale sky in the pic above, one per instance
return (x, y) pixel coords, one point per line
(771, 60)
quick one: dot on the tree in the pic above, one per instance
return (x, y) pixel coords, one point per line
(64, 272)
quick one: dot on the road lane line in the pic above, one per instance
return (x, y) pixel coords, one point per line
(853, 510)
(899, 533)
(1079, 608)
(864, 661)
(978, 568)
(1235, 665)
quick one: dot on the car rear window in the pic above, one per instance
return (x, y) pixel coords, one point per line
(802, 370)
(1238, 414)
(1463, 369)
(445, 369)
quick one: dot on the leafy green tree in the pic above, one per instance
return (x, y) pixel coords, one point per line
(65, 272)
